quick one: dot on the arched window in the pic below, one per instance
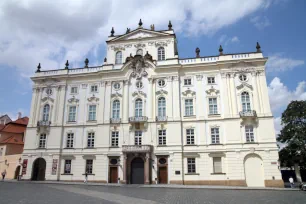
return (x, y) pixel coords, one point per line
(138, 108)
(118, 57)
(161, 53)
(46, 111)
(245, 101)
(116, 109)
(162, 107)
(139, 52)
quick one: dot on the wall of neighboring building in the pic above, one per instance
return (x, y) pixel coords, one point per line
(14, 149)
(10, 164)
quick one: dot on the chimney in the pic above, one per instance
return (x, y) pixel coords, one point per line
(19, 115)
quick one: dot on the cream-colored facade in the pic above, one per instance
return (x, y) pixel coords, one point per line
(148, 116)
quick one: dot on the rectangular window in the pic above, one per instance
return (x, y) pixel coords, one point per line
(188, 107)
(138, 137)
(91, 140)
(215, 137)
(249, 133)
(191, 165)
(211, 80)
(42, 141)
(94, 88)
(74, 90)
(92, 112)
(162, 137)
(89, 164)
(72, 114)
(67, 169)
(217, 164)
(187, 82)
(115, 139)
(190, 136)
(69, 141)
(213, 106)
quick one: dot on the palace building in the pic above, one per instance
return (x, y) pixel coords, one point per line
(147, 116)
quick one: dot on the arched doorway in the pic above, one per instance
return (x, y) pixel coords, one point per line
(253, 168)
(17, 171)
(39, 170)
(137, 171)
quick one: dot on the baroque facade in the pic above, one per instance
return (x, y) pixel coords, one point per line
(148, 116)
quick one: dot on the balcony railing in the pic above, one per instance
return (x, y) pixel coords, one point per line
(43, 123)
(137, 119)
(161, 118)
(115, 120)
(136, 148)
(248, 113)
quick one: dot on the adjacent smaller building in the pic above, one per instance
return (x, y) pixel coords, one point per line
(11, 146)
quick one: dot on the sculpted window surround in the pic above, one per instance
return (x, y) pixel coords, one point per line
(161, 107)
(46, 112)
(161, 54)
(116, 109)
(138, 107)
(118, 57)
(245, 102)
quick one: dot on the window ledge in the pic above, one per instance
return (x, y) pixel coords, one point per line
(114, 147)
(67, 174)
(251, 143)
(89, 148)
(190, 145)
(216, 144)
(69, 148)
(161, 145)
(71, 122)
(214, 115)
(91, 121)
(189, 116)
(192, 174)
(211, 83)
(89, 174)
(218, 174)
(41, 148)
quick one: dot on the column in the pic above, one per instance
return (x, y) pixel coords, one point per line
(150, 98)
(125, 100)
(147, 168)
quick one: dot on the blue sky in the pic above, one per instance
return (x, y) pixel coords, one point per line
(51, 32)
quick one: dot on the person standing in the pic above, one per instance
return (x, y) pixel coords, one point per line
(86, 177)
(3, 175)
(291, 182)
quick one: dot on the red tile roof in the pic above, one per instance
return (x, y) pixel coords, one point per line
(12, 140)
(1, 126)
(22, 121)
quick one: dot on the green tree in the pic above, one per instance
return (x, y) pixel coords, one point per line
(293, 135)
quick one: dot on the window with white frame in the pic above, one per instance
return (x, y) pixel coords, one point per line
(69, 140)
(162, 137)
(94, 88)
(115, 138)
(187, 82)
(92, 112)
(138, 137)
(91, 140)
(116, 109)
(215, 135)
(245, 102)
(74, 90)
(138, 107)
(67, 169)
(217, 162)
(188, 107)
(46, 112)
(42, 141)
(213, 106)
(89, 166)
(211, 80)
(118, 57)
(72, 114)
(191, 165)
(161, 53)
(162, 107)
(249, 133)
(190, 136)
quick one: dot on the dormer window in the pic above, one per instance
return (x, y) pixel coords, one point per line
(118, 57)
(139, 52)
(161, 53)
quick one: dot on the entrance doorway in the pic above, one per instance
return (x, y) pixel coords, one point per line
(39, 170)
(137, 171)
(17, 172)
(253, 168)
(163, 175)
(113, 174)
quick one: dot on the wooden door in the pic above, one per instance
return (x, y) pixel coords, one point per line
(113, 174)
(163, 175)
(137, 171)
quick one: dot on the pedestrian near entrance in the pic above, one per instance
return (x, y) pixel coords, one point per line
(291, 182)
(86, 177)
(3, 175)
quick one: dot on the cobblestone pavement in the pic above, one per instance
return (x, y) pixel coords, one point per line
(31, 193)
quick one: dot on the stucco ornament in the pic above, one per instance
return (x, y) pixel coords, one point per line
(138, 65)
(73, 100)
(212, 91)
(93, 99)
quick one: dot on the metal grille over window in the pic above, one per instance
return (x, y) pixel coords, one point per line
(138, 137)
(42, 141)
(89, 165)
(213, 106)
(188, 107)
(215, 138)
(115, 139)
(162, 137)
(191, 165)
(249, 133)
(91, 140)
(69, 141)
(190, 136)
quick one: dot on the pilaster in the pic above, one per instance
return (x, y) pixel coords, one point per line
(107, 106)
(125, 101)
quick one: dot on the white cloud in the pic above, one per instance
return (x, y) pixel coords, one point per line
(225, 40)
(260, 22)
(280, 96)
(279, 63)
(52, 31)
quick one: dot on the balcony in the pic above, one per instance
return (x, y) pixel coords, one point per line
(138, 119)
(115, 120)
(248, 114)
(136, 148)
(43, 123)
(161, 118)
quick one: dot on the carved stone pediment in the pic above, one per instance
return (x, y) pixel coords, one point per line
(243, 85)
(114, 95)
(118, 48)
(44, 99)
(212, 91)
(189, 93)
(159, 92)
(93, 99)
(139, 45)
(138, 66)
(243, 67)
(139, 93)
(73, 100)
